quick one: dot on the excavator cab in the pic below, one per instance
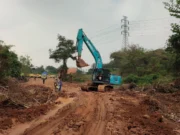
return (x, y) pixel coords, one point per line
(101, 76)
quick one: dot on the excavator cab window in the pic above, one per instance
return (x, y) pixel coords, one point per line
(102, 75)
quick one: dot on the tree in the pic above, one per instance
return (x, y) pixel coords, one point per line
(15, 65)
(51, 69)
(39, 70)
(173, 45)
(26, 64)
(80, 71)
(128, 59)
(136, 60)
(64, 50)
(9, 64)
(174, 7)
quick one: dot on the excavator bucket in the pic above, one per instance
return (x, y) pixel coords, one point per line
(81, 63)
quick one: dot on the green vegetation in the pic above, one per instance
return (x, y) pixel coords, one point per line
(142, 66)
(64, 50)
(147, 79)
(174, 40)
(26, 64)
(51, 70)
(9, 64)
(81, 76)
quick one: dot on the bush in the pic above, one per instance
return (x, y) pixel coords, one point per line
(131, 78)
(9, 64)
(81, 77)
(147, 79)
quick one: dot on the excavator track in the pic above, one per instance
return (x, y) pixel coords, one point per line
(99, 88)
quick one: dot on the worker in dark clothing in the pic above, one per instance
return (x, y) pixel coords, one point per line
(99, 77)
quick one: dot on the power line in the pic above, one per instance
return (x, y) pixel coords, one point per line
(145, 30)
(112, 41)
(142, 24)
(108, 39)
(106, 28)
(135, 22)
(125, 31)
(149, 28)
(105, 33)
(157, 19)
(109, 29)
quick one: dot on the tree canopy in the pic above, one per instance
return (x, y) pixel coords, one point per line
(139, 61)
(64, 50)
(26, 64)
(51, 70)
(9, 64)
(173, 44)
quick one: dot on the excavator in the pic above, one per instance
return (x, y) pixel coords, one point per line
(102, 79)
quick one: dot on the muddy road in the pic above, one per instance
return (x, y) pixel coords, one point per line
(98, 113)
(86, 114)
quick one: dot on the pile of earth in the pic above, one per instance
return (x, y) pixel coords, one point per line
(20, 103)
(25, 95)
(139, 113)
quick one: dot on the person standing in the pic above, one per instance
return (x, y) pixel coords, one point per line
(44, 77)
(34, 78)
(59, 84)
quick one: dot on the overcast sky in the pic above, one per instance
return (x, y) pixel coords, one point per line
(32, 25)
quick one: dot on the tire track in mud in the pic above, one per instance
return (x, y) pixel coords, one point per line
(86, 116)
(98, 123)
(48, 127)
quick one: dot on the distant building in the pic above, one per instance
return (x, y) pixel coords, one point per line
(72, 71)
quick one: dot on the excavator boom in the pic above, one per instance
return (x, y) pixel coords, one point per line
(81, 37)
(102, 78)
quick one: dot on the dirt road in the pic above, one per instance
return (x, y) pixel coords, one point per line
(97, 113)
(87, 114)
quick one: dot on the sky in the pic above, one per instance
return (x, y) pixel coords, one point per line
(32, 25)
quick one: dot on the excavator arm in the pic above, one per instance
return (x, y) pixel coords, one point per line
(101, 78)
(81, 37)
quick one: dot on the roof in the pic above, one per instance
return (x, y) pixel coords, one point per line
(72, 71)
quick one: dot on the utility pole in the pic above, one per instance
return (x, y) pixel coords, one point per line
(125, 31)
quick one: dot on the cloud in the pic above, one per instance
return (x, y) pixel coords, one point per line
(33, 25)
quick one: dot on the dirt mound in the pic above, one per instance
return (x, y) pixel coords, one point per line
(25, 95)
(153, 104)
(23, 103)
(8, 115)
(73, 94)
(171, 105)
(40, 94)
(23, 115)
(165, 88)
(5, 123)
(145, 118)
(128, 86)
(177, 83)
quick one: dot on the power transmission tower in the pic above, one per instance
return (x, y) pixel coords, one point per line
(125, 30)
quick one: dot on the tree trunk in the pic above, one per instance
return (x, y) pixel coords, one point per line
(63, 70)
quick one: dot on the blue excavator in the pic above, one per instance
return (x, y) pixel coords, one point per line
(102, 79)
